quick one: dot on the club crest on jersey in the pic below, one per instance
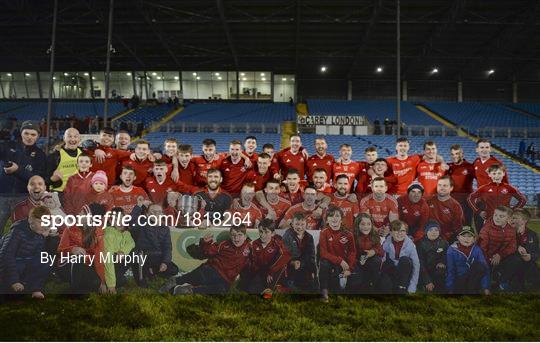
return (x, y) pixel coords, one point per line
(343, 240)
(416, 213)
(504, 191)
(465, 172)
(446, 210)
(405, 210)
(33, 154)
(270, 250)
(28, 168)
(302, 159)
(328, 163)
(245, 252)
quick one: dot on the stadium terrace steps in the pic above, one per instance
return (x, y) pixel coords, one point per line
(156, 125)
(37, 110)
(122, 114)
(442, 120)
(267, 112)
(527, 109)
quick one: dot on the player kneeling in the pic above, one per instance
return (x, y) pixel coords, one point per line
(268, 262)
(226, 260)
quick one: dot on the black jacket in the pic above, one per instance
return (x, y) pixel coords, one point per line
(151, 240)
(31, 161)
(307, 257)
(430, 253)
(19, 244)
(532, 245)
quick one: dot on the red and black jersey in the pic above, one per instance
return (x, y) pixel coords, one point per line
(270, 259)
(416, 215)
(316, 162)
(226, 258)
(492, 195)
(338, 245)
(463, 176)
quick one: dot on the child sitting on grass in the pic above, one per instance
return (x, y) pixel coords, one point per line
(468, 271)
(226, 260)
(432, 254)
(302, 270)
(269, 259)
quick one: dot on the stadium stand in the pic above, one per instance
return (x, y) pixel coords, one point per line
(530, 108)
(32, 110)
(475, 115)
(373, 109)
(147, 114)
(237, 112)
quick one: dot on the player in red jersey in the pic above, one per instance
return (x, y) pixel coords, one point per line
(483, 162)
(210, 159)
(272, 204)
(261, 174)
(274, 163)
(186, 167)
(414, 211)
(245, 208)
(123, 140)
(446, 210)
(250, 148)
(170, 150)
(496, 193)
(403, 165)
(126, 194)
(293, 187)
(346, 166)
(379, 168)
(319, 181)
(310, 209)
(462, 173)
(292, 158)
(159, 184)
(142, 164)
(348, 203)
(104, 157)
(233, 169)
(321, 159)
(382, 207)
(371, 155)
(429, 170)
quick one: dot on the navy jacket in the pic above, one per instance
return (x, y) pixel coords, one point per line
(307, 257)
(21, 243)
(152, 240)
(531, 245)
(458, 264)
(31, 161)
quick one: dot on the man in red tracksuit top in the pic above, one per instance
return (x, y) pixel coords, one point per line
(498, 241)
(226, 260)
(414, 210)
(483, 162)
(105, 158)
(321, 159)
(233, 169)
(445, 210)
(494, 194)
(269, 259)
(462, 173)
(159, 184)
(292, 158)
(143, 163)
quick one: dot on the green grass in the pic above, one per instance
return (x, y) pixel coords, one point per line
(145, 315)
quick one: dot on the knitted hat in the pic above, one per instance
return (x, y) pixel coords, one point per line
(99, 176)
(417, 186)
(467, 229)
(431, 226)
(28, 125)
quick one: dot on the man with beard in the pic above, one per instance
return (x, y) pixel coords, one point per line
(261, 174)
(319, 179)
(275, 205)
(414, 211)
(321, 160)
(346, 166)
(379, 168)
(126, 194)
(462, 173)
(308, 207)
(233, 169)
(381, 206)
(446, 210)
(214, 198)
(348, 203)
(244, 207)
(19, 161)
(429, 170)
(106, 158)
(36, 188)
(62, 163)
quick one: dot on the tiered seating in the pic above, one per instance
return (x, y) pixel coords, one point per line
(147, 114)
(474, 115)
(531, 108)
(37, 110)
(237, 112)
(373, 109)
(512, 145)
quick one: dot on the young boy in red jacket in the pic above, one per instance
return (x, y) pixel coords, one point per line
(268, 262)
(496, 193)
(337, 251)
(226, 260)
(78, 185)
(499, 244)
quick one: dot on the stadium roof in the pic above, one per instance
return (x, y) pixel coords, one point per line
(462, 39)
